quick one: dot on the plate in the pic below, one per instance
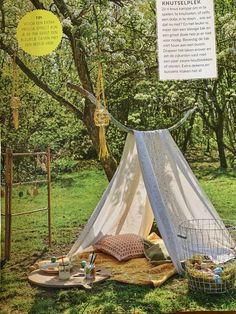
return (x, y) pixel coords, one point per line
(50, 268)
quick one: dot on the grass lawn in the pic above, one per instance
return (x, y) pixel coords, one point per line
(74, 197)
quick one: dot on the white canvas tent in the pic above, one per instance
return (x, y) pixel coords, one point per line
(152, 180)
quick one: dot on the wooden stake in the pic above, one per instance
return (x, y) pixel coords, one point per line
(8, 202)
(49, 196)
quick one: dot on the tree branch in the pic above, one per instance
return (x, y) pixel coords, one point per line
(118, 2)
(3, 16)
(83, 92)
(128, 75)
(62, 7)
(38, 5)
(41, 84)
(65, 12)
(230, 149)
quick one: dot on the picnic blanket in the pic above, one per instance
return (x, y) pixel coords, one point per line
(135, 271)
(154, 269)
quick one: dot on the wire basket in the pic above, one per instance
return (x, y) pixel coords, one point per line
(209, 250)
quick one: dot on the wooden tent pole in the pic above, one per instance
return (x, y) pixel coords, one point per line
(49, 196)
(122, 127)
(8, 202)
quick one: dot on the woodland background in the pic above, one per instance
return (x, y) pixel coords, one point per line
(54, 115)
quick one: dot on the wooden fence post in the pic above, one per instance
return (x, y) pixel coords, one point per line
(49, 196)
(8, 202)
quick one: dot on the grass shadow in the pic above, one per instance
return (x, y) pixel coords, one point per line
(223, 301)
(107, 297)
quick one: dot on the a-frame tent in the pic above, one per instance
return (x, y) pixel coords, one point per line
(153, 180)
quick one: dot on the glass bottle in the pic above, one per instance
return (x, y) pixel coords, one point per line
(64, 270)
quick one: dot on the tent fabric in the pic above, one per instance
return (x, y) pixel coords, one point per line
(172, 188)
(124, 207)
(153, 180)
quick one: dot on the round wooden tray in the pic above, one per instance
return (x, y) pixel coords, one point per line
(40, 278)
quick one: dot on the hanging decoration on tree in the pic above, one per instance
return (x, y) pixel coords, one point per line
(41, 163)
(15, 99)
(101, 115)
(35, 190)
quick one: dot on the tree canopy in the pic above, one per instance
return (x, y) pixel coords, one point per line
(52, 114)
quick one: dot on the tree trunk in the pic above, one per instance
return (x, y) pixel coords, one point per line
(188, 134)
(219, 131)
(208, 145)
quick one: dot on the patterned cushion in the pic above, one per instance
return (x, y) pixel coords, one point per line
(122, 247)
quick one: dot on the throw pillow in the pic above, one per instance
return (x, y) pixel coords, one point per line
(123, 246)
(156, 253)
